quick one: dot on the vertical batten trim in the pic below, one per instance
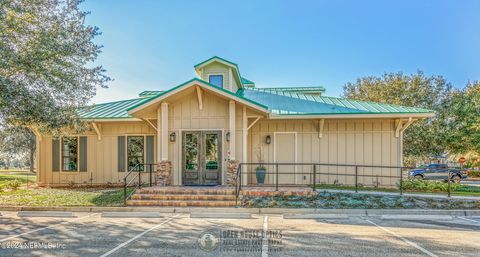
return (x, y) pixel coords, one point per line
(244, 143)
(231, 117)
(164, 132)
(230, 79)
(159, 137)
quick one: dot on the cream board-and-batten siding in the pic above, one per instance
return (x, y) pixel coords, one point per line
(304, 127)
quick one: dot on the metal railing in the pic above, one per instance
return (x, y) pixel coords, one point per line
(137, 170)
(358, 175)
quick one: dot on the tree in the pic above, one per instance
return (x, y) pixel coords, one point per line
(425, 137)
(19, 143)
(465, 120)
(46, 70)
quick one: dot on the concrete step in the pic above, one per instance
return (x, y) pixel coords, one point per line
(183, 203)
(183, 191)
(181, 197)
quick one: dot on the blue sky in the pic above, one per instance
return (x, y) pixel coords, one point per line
(153, 45)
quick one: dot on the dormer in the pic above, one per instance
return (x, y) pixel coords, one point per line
(221, 73)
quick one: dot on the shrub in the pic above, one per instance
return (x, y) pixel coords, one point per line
(427, 186)
(474, 173)
(13, 184)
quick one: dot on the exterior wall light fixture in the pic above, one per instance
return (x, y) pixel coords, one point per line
(173, 137)
(227, 136)
(268, 139)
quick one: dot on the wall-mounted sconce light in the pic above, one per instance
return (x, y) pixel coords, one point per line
(227, 136)
(173, 137)
(268, 139)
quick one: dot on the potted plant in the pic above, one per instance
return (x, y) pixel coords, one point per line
(260, 171)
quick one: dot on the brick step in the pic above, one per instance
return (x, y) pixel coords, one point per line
(162, 191)
(172, 203)
(181, 197)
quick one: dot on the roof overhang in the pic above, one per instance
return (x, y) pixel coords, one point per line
(353, 116)
(204, 85)
(112, 120)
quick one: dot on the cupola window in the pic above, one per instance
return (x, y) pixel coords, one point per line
(216, 80)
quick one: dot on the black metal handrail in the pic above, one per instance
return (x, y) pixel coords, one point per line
(137, 169)
(314, 173)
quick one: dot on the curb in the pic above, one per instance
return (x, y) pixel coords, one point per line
(273, 211)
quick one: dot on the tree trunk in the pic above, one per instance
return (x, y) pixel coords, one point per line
(32, 156)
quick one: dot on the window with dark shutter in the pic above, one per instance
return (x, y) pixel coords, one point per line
(55, 155)
(83, 154)
(149, 158)
(121, 153)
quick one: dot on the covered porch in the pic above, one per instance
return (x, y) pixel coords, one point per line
(201, 133)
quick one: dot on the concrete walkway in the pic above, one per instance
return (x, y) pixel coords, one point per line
(459, 197)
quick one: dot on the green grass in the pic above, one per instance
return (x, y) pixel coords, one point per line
(13, 171)
(24, 178)
(63, 197)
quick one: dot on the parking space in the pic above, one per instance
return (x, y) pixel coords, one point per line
(437, 237)
(89, 234)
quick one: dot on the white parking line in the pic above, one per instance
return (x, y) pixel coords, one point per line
(51, 226)
(404, 239)
(265, 237)
(137, 236)
(474, 221)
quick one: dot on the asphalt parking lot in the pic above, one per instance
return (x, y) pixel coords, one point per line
(90, 234)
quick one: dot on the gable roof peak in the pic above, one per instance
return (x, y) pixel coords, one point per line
(215, 58)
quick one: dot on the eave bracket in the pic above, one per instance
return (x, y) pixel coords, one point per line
(97, 129)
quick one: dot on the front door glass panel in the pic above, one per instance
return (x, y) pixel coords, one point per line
(191, 151)
(211, 151)
(201, 157)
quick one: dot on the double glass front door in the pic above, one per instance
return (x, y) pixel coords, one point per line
(201, 157)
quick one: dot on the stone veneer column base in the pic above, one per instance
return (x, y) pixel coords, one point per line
(230, 177)
(164, 173)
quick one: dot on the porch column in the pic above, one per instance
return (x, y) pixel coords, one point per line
(244, 144)
(232, 129)
(159, 135)
(164, 132)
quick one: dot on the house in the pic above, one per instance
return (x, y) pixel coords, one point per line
(201, 127)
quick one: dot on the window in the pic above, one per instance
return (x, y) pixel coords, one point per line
(135, 151)
(216, 80)
(69, 153)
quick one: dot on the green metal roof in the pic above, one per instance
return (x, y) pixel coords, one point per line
(247, 82)
(204, 82)
(281, 101)
(149, 93)
(216, 57)
(300, 90)
(112, 110)
(291, 103)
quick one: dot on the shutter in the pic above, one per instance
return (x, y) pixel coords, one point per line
(150, 152)
(121, 154)
(55, 155)
(83, 154)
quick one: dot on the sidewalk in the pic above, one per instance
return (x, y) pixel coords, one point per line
(460, 197)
